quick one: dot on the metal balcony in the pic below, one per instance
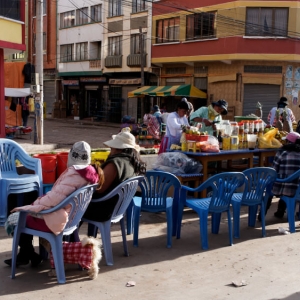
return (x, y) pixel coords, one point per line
(113, 61)
(134, 60)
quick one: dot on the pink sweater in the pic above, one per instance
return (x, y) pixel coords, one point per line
(68, 182)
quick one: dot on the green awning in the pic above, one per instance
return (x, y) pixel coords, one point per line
(187, 90)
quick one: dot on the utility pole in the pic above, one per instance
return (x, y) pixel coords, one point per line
(141, 38)
(39, 67)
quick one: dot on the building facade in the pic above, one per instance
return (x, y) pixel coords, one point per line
(12, 40)
(99, 57)
(241, 51)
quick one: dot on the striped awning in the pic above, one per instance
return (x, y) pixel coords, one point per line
(164, 91)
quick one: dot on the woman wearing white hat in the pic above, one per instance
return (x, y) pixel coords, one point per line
(122, 163)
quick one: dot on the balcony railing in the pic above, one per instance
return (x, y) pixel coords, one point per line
(113, 61)
(134, 60)
(11, 9)
(95, 64)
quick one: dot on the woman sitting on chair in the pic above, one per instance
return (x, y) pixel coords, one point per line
(78, 174)
(122, 163)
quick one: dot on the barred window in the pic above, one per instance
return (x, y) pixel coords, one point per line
(167, 30)
(200, 26)
(267, 21)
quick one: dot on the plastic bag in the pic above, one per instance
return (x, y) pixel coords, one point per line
(211, 145)
(177, 163)
(264, 143)
(270, 134)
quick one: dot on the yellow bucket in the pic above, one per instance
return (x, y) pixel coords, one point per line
(99, 156)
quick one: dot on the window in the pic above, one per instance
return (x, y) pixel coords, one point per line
(67, 19)
(10, 9)
(82, 16)
(267, 21)
(95, 50)
(135, 44)
(114, 8)
(96, 13)
(81, 51)
(44, 42)
(138, 5)
(66, 52)
(200, 26)
(115, 46)
(262, 69)
(20, 55)
(167, 30)
(176, 70)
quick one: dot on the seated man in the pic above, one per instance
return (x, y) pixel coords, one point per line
(286, 162)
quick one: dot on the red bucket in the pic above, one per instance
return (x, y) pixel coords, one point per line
(48, 162)
(62, 162)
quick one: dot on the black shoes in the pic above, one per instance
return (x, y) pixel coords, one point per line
(279, 214)
(19, 262)
(36, 259)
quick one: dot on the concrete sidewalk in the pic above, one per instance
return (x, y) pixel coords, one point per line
(269, 266)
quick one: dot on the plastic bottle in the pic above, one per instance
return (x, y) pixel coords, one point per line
(234, 129)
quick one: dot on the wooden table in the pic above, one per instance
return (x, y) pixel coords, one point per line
(263, 154)
(229, 155)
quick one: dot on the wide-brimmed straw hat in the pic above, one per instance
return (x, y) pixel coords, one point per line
(123, 140)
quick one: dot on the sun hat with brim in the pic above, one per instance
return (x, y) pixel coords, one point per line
(79, 155)
(123, 140)
(293, 137)
(223, 104)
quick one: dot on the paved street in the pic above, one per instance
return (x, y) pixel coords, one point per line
(269, 266)
(61, 134)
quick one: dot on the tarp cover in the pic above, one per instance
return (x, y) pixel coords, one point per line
(14, 92)
(187, 90)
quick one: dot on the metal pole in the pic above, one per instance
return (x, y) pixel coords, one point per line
(39, 66)
(142, 56)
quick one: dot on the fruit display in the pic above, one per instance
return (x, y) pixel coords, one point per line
(272, 138)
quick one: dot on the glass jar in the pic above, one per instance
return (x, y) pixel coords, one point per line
(251, 127)
(227, 127)
(246, 127)
(234, 128)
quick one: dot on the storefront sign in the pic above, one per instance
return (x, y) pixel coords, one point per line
(125, 81)
(70, 82)
(92, 79)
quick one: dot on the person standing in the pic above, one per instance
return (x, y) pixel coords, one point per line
(25, 110)
(191, 107)
(176, 121)
(209, 114)
(281, 116)
(157, 113)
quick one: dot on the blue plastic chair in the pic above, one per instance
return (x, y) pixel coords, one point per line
(220, 189)
(79, 201)
(13, 183)
(291, 201)
(155, 188)
(258, 185)
(125, 191)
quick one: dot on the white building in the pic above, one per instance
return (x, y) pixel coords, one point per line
(99, 55)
